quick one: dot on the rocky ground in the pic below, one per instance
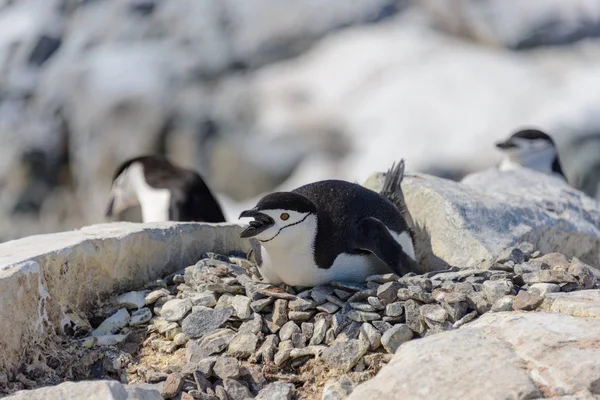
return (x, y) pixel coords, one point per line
(214, 331)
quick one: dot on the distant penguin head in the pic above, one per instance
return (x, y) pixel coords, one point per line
(281, 218)
(123, 194)
(529, 148)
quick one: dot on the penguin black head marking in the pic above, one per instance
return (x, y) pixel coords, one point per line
(277, 212)
(165, 192)
(530, 148)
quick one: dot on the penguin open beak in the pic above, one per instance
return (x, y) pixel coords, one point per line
(261, 223)
(507, 144)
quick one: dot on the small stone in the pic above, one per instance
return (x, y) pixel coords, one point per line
(199, 323)
(503, 304)
(342, 294)
(242, 345)
(320, 329)
(241, 305)
(224, 301)
(276, 391)
(467, 318)
(113, 324)
(414, 293)
(548, 276)
(375, 303)
(227, 368)
(512, 254)
(371, 335)
(363, 307)
(424, 284)
(287, 330)
(527, 301)
(583, 274)
(413, 317)
(267, 350)
(340, 319)
(395, 336)
(307, 329)
(236, 390)
(391, 277)
(300, 316)
(320, 293)
(330, 336)
(299, 340)
(277, 293)
(216, 341)
(206, 299)
(140, 316)
(314, 351)
(478, 301)
(260, 305)
(155, 295)
(531, 266)
(109, 340)
(434, 312)
(351, 331)
(156, 376)
(280, 312)
(344, 355)
(569, 287)
(544, 288)
(220, 391)
(494, 290)
(252, 375)
(328, 307)
(284, 352)
(387, 292)
(338, 389)
(174, 310)
(381, 326)
(181, 339)
(348, 286)
(131, 300)
(253, 325)
(361, 316)
(301, 305)
(172, 385)
(335, 300)
(362, 295)
(394, 309)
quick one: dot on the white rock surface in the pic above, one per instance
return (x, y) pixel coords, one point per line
(584, 303)
(505, 355)
(113, 324)
(44, 274)
(467, 224)
(132, 300)
(89, 390)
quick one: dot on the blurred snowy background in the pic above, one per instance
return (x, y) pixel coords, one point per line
(263, 95)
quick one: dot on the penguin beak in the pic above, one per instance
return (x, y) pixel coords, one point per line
(507, 144)
(261, 223)
(109, 209)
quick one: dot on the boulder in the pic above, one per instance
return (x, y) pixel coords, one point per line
(48, 275)
(89, 390)
(505, 355)
(468, 224)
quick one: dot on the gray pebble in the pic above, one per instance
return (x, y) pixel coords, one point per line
(395, 336)
(227, 368)
(328, 307)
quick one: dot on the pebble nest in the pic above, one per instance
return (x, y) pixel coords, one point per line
(215, 331)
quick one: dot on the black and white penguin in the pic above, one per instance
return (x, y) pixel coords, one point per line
(164, 191)
(332, 231)
(533, 149)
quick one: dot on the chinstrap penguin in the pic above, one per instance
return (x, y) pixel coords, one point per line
(164, 191)
(533, 149)
(331, 231)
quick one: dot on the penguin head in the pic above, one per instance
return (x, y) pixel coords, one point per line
(281, 217)
(530, 148)
(123, 194)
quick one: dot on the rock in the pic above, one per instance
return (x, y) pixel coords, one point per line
(494, 290)
(172, 385)
(328, 307)
(585, 303)
(300, 316)
(174, 310)
(214, 342)
(236, 390)
(93, 390)
(320, 329)
(413, 317)
(287, 330)
(531, 266)
(583, 273)
(260, 305)
(504, 304)
(415, 293)
(527, 301)
(338, 389)
(544, 288)
(227, 368)
(206, 299)
(241, 305)
(344, 355)
(371, 335)
(140, 316)
(382, 326)
(277, 293)
(267, 350)
(252, 375)
(181, 339)
(362, 306)
(312, 351)
(387, 292)
(132, 300)
(276, 391)
(113, 324)
(253, 325)
(434, 312)
(384, 278)
(548, 276)
(155, 295)
(394, 309)
(198, 323)
(320, 293)
(478, 301)
(280, 312)
(283, 353)
(510, 205)
(395, 336)
(301, 305)
(361, 316)
(467, 318)
(243, 345)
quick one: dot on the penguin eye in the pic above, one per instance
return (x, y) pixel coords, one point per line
(284, 216)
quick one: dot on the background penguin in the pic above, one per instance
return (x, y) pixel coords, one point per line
(533, 149)
(332, 230)
(164, 191)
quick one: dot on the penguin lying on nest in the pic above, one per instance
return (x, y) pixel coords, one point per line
(164, 191)
(332, 231)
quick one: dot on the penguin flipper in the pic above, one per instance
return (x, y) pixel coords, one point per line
(374, 237)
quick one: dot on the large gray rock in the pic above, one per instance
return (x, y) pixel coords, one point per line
(505, 355)
(45, 275)
(584, 303)
(89, 390)
(468, 224)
